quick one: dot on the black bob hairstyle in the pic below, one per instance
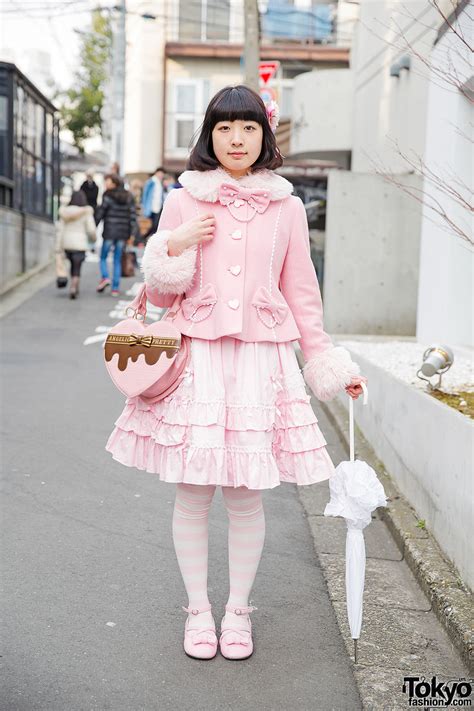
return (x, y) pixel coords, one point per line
(78, 198)
(234, 103)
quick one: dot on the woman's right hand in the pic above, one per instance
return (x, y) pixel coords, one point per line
(198, 229)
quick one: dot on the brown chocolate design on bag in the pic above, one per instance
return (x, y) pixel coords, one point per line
(131, 346)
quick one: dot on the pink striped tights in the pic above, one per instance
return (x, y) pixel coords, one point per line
(190, 537)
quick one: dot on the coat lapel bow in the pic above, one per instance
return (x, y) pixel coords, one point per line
(258, 200)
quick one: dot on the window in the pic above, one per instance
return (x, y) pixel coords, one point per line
(29, 146)
(185, 99)
(217, 20)
(188, 101)
(202, 20)
(184, 133)
(190, 18)
(3, 134)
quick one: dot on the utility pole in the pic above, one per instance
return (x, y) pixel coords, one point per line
(118, 85)
(252, 40)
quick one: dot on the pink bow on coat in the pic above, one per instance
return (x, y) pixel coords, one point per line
(206, 297)
(257, 199)
(263, 300)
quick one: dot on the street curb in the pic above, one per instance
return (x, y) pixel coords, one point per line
(26, 276)
(450, 599)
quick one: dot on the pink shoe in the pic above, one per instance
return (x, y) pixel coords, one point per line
(200, 643)
(236, 642)
(103, 284)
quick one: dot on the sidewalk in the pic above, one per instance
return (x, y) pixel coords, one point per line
(93, 591)
(401, 635)
(89, 573)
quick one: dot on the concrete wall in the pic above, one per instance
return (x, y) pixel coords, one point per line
(372, 256)
(389, 109)
(322, 112)
(426, 447)
(445, 303)
(39, 241)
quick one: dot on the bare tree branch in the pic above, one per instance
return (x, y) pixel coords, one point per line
(453, 29)
(448, 224)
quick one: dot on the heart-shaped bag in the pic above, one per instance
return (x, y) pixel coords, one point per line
(147, 360)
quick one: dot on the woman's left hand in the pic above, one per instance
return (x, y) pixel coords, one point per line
(354, 389)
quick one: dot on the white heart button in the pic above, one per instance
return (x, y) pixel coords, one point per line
(236, 234)
(233, 303)
(235, 270)
(238, 203)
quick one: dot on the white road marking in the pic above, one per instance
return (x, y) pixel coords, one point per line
(95, 339)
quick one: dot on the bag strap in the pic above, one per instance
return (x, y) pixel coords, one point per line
(138, 305)
(174, 308)
(351, 419)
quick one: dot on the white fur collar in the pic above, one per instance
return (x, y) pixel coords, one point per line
(204, 185)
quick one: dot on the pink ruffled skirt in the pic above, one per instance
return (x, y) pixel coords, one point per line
(240, 417)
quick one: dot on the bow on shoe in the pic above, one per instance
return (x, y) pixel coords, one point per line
(257, 199)
(203, 636)
(206, 297)
(236, 637)
(262, 300)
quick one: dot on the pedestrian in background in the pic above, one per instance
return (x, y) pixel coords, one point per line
(91, 190)
(168, 185)
(118, 214)
(235, 243)
(152, 200)
(76, 230)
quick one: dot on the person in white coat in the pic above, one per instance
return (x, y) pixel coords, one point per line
(76, 229)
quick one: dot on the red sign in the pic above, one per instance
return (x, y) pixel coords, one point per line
(267, 70)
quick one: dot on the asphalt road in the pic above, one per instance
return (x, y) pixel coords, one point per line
(91, 590)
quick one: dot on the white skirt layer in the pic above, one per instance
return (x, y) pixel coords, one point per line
(240, 417)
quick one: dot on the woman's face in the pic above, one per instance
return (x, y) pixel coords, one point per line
(237, 145)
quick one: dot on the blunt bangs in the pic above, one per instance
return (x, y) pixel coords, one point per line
(234, 103)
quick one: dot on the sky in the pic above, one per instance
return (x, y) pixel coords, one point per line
(33, 29)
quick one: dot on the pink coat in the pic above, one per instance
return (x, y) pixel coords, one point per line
(254, 280)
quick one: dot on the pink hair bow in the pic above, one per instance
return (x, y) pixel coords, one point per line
(263, 301)
(206, 297)
(257, 199)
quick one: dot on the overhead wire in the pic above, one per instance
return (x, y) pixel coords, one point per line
(297, 22)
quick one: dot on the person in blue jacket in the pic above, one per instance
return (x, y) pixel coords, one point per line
(152, 200)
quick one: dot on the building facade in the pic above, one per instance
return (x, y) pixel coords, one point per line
(29, 174)
(179, 54)
(375, 118)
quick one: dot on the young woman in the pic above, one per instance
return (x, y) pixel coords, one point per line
(76, 231)
(235, 243)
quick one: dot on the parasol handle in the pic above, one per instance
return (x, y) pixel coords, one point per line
(351, 419)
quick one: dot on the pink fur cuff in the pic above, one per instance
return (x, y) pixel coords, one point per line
(329, 372)
(168, 275)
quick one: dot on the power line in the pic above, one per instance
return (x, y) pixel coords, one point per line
(295, 22)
